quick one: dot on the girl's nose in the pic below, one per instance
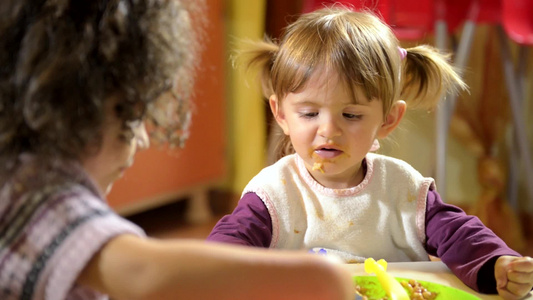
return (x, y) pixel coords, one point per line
(141, 136)
(329, 128)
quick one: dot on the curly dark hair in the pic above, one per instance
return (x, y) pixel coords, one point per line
(62, 60)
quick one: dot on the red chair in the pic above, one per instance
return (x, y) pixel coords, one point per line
(377, 6)
(518, 20)
(456, 12)
(518, 25)
(452, 15)
(409, 19)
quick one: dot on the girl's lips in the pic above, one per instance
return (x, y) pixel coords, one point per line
(328, 153)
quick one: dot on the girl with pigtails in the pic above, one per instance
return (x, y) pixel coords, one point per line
(334, 84)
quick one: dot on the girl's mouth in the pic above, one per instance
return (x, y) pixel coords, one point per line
(328, 153)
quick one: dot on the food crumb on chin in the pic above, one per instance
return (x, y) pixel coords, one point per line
(318, 166)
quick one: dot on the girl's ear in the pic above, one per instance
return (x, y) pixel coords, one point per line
(278, 113)
(392, 119)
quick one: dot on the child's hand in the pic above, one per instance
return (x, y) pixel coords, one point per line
(514, 276)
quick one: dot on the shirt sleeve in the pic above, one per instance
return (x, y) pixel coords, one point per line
(463, 243)
(249, 224)
(84, 241)
(49, 244)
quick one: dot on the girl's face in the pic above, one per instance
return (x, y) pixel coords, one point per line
(329, 131)
(116, 154)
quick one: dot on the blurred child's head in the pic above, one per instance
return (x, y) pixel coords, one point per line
(63, 61)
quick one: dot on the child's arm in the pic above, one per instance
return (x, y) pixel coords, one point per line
(463, 243)
(249, 224)
(514, 276)
(129, 267)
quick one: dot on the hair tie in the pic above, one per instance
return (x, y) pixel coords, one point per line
(403, 52)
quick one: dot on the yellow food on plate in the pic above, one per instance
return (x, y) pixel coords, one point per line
(392, 287)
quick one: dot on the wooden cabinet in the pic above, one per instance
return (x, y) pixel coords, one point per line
(160, 176)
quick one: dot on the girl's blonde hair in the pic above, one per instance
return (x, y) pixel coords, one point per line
(362, 50)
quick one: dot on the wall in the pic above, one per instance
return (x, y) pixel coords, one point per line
(161, 175)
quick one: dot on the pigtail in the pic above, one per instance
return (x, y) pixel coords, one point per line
(253, 54)
(260, 56)
(426, 75)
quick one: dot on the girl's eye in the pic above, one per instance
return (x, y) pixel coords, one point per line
(308, 114)
(352, 116)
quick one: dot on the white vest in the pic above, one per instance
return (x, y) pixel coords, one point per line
(382, 217)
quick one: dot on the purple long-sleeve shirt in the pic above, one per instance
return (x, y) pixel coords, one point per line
(461, 241)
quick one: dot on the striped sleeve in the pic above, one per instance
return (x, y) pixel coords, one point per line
(51, 239)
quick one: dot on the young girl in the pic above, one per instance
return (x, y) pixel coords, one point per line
(334, 84)
(77, 81)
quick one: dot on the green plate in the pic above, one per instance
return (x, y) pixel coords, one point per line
(373, 289)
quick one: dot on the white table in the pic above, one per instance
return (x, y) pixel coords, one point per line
(433, 271)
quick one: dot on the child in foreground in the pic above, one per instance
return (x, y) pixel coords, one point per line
(78, 80)
(334, 84)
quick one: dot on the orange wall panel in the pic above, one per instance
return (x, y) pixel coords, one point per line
(161, 171)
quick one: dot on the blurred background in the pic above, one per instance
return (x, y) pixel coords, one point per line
(477, 145)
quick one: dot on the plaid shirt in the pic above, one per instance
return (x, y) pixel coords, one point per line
(53, 220)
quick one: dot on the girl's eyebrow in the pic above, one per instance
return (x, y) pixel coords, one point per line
(309, 100)
(304, 102)
(360, 103)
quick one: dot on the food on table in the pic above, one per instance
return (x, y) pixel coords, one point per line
(415, 290)
(394, 289)
(391, 286)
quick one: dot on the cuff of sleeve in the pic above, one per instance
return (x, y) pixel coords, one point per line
(486, 281)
